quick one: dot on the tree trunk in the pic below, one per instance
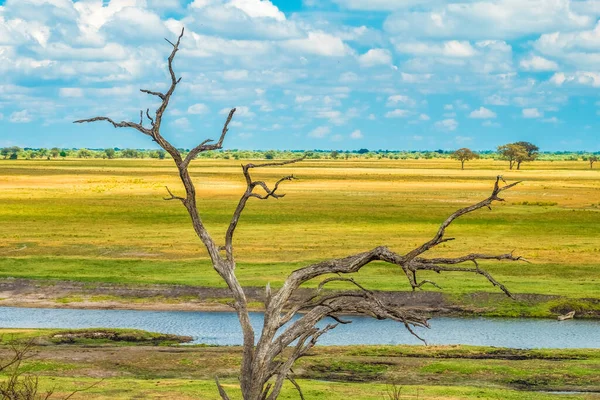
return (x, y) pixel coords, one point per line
(462, 165)
(519, 165)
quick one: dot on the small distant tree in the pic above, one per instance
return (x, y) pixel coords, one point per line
(84, 153)
(54, 152)
(161, 154)
(463, 155)
(515, 154)
(110, 153)
(63, 153)
(129, 153)
(334, 154)
(592, 160)
(4, 152)
(269, 155)
(532, 152)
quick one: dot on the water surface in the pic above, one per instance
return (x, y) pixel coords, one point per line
(222, 328)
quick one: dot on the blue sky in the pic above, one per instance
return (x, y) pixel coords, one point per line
(305, 74)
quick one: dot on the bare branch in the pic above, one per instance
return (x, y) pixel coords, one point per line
(172, 196)
(204, 146)
(438, 238)
(298, 388)
(250, 185)
(122, 124)
(149, 117)
(222, 392)
(158, 94)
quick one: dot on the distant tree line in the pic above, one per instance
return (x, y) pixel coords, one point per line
(515, 153)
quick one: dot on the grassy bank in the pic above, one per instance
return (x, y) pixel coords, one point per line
(132, 369)
(105, 221)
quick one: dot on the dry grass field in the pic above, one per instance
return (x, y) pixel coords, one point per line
(106, 221)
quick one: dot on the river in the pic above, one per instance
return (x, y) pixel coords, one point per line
(222, 328)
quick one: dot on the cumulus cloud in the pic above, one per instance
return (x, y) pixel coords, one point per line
(198, 108)
(584, 78)
(400, 98)
(452, 48)
(357, 134)
(240, 111)
(449, 125)
(319, 132)
(532, 113)
(319, 43)
(537, 63)
(375, 57)
(495, 19)
(21, 117)
(70, 92)
(482, 113)
(397, 113)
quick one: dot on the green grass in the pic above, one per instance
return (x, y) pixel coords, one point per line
(359, 372)
(105, 221)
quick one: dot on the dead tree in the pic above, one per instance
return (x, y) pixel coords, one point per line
(290, 329)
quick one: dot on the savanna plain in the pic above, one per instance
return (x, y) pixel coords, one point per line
(98, 234)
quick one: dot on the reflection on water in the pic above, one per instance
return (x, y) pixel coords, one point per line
(222, 328)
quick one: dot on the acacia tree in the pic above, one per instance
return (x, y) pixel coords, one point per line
(290, 328)
(463, 155)
(518, 152)
(592, 160)
(513, 153)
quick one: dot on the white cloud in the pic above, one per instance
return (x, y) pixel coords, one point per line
(397, 113)
(320, 132)
(532, 113)
(482, 113)
(375, 57)
(424, 117)
(497, 100)
(494, 19)
(258, 9)
(182, 123)
(400, 98)
(381, 5)
(453, 48)
(537, 63)
(235, 75)
(21, 117)
(303, 99)
(198, 108)
(337, 138)
(491, 124)
(449, 124)
(70, 92)
(551, 120)
(584, 78)
(240, 111)
(319, 43)
(357, 134)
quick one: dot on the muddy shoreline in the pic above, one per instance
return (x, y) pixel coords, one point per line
(93, 295)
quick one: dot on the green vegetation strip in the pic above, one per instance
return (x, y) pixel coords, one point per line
(136, 365)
